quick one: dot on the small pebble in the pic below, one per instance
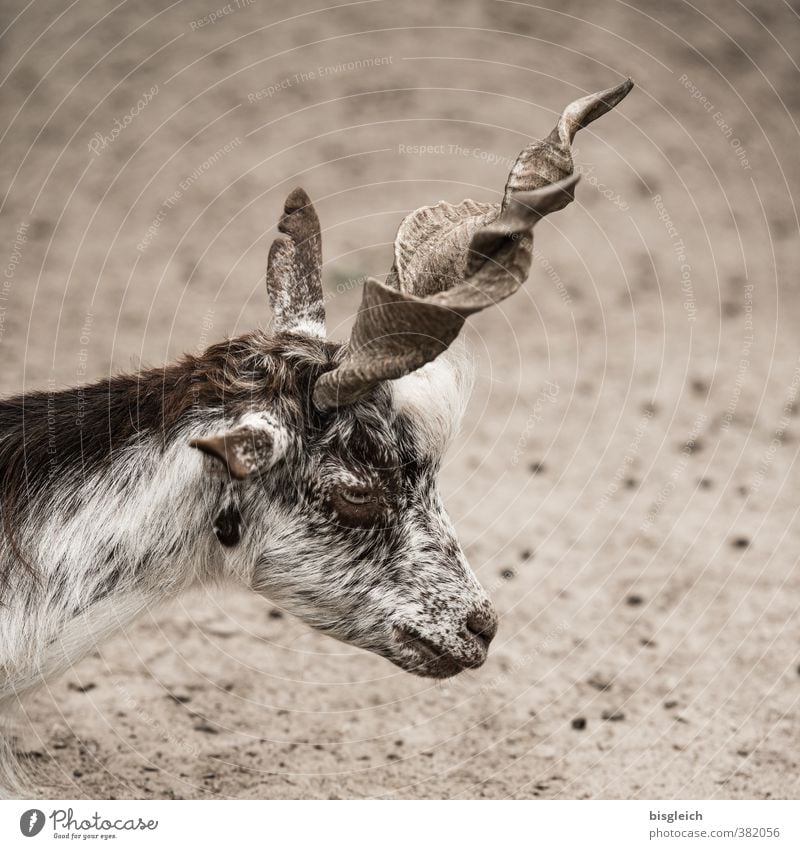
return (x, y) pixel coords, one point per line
(579, 723)
(740, 542)
(613, 715)
(537, 468)
(275, 613)
(599, 683)
(634, 600)
(672, 703)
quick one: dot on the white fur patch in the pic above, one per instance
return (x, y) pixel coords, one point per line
(435, 396)
(308, 327)
(146, 518)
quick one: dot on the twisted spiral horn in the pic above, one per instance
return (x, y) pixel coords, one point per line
(451, 261)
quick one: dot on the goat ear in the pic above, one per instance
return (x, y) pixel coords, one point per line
(294, 270)
(251, 447)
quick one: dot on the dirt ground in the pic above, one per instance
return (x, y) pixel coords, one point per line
(626, 481)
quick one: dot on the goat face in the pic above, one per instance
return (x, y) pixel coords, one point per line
(335, 515)
(348, 531)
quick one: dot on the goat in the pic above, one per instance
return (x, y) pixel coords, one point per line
(300, 467)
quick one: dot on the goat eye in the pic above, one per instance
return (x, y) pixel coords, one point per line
(357, 506)
(358, 497)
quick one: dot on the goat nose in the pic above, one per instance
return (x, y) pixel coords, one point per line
(481, 625)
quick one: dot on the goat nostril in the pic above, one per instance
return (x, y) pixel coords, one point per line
(482, 626)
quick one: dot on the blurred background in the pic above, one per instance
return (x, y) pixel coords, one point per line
(626, 481)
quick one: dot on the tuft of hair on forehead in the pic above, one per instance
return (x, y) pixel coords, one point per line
(433, 398)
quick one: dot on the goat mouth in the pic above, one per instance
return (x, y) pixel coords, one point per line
(423, 657)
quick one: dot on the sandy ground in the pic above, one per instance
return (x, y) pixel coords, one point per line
(625, 484)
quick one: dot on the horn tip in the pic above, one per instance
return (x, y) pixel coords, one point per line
(580, 113)
(617, 94)
(624, 88)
